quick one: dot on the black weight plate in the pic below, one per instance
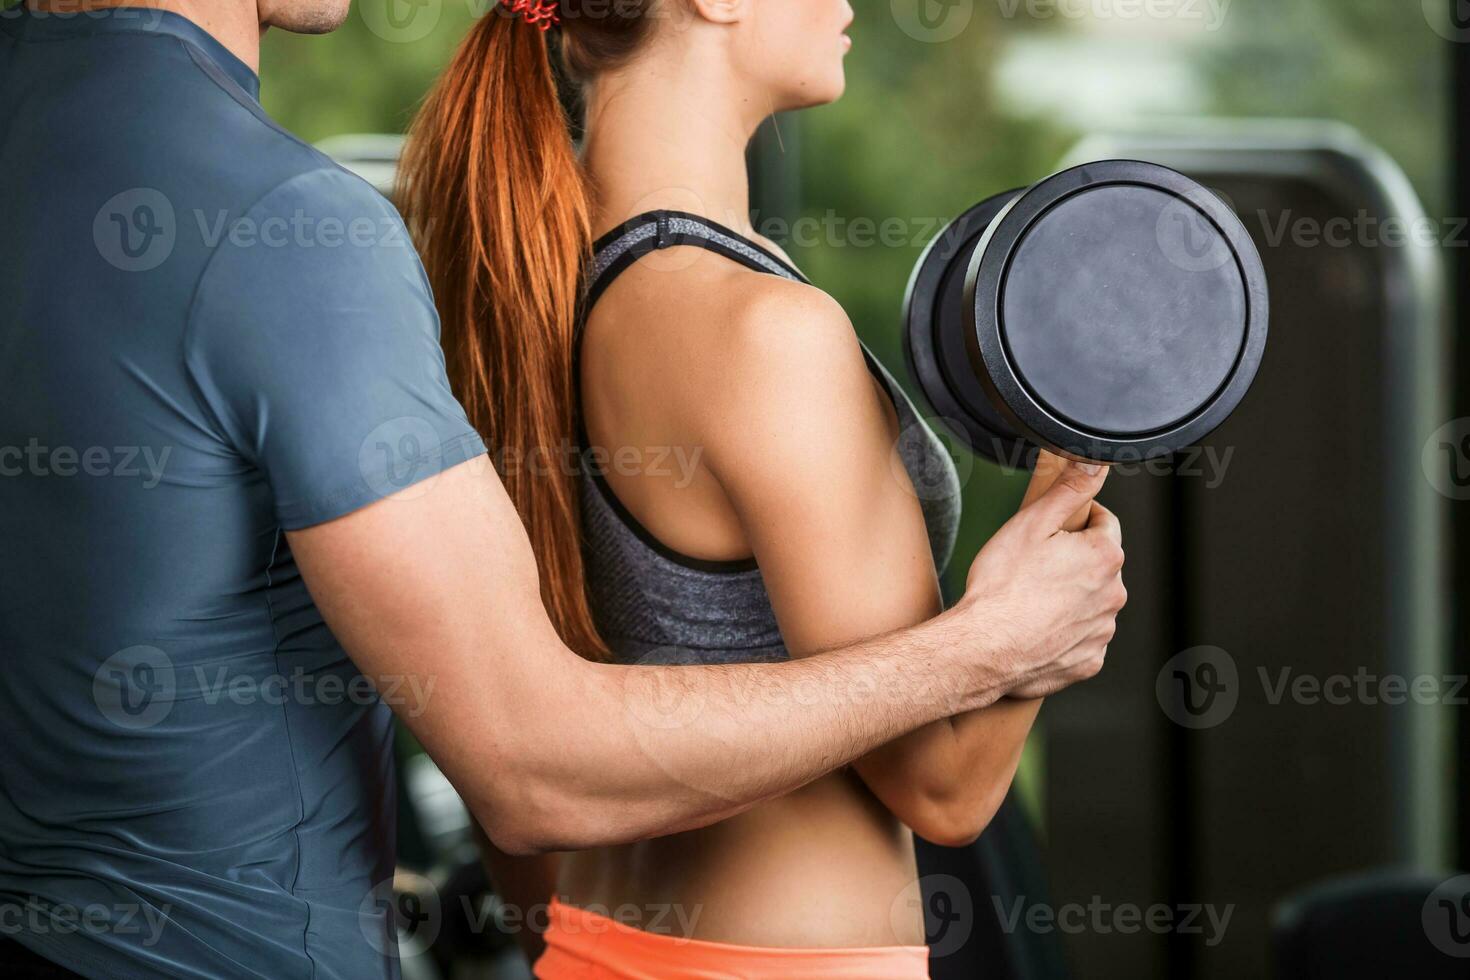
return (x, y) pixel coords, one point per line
(935, 324)
(1118, 312)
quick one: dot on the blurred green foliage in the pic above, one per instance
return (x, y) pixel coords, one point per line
(361, 80)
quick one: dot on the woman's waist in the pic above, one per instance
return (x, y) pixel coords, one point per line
(582, 944)
(824, 867)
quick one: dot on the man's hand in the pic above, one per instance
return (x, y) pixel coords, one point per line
(1053, 594)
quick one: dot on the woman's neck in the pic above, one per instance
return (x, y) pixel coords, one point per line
(671, 134)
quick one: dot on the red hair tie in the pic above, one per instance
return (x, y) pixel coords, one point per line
(537, 13)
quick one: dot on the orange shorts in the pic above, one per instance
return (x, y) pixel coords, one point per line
(582, 945)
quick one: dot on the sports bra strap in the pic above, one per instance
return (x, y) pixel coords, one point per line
(614, 253)
(653, 231)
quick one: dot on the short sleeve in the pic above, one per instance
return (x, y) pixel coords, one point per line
(314, 343)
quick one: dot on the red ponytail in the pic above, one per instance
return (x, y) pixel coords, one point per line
(492, 187)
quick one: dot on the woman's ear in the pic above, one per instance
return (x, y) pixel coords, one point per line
(721, 11)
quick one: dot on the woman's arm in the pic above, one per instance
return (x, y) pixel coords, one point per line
(798, 436)
(952, 776)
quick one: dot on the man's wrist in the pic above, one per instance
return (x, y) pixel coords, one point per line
(982, 670)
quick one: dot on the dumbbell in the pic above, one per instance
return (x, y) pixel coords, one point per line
(1114, 312)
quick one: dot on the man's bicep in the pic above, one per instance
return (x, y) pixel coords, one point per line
(437, 587)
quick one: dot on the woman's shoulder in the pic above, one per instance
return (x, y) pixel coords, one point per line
(729, 349)
(700, 310)
(765, 308)
(764, 330)
(777, 360)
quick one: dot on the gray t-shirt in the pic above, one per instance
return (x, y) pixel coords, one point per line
(209, 335)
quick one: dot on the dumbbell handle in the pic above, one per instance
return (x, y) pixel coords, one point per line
(1049, 466)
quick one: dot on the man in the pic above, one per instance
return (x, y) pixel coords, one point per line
(222, 388)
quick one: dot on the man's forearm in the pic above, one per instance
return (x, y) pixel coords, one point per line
(440, 589)
(657, 750)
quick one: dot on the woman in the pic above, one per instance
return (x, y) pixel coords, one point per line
(799, 527)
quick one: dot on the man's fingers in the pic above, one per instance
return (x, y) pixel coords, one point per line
(1073, 490)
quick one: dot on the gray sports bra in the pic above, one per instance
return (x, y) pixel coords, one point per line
(656, 606)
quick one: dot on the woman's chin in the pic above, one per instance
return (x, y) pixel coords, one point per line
(839, 88)
(813, 96)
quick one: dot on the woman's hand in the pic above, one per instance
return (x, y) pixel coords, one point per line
(1056, 593)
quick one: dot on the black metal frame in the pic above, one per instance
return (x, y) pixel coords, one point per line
(1459, 269)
